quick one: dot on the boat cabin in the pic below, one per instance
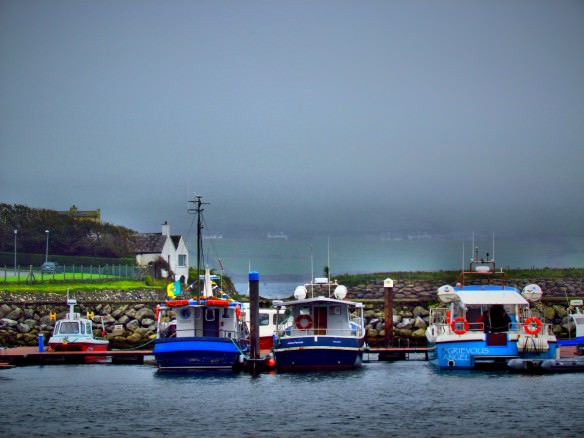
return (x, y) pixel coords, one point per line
(321, 316)
(214, 318)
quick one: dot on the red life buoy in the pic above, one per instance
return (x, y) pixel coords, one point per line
(458, 331)
(238, 312)
(527, 325)
(157, 311)
(304, 322)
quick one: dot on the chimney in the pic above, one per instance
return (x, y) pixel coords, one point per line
(165, 229)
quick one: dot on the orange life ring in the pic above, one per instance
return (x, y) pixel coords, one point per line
(461, 331)
(177, 303)
(238, 312)
(304, 322)
(220, 303)
(527, 325)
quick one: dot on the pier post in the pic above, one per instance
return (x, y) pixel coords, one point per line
(388, 310)
(254, 308)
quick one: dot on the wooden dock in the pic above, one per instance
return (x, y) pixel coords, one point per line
(32, 356)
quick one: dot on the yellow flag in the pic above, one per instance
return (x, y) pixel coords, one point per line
(170, 290)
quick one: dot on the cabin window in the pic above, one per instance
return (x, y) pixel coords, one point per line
(304, 311)
(264, 319)
(225, 312)
(209, 315)
(185, 313)
(88, 328)
(335, 310)
(69, 328)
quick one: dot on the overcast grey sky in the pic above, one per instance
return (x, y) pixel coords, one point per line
(297, 115)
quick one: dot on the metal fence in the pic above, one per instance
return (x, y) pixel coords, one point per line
(68, 273)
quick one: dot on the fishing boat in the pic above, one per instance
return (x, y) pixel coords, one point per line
(319, 333)
(574, 346)
(268, 320)
(75, 333)
(483, 322)
(204, 332)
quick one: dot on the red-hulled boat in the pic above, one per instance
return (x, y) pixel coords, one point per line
(74, 333)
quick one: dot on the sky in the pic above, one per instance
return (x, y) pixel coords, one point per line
(297, 116)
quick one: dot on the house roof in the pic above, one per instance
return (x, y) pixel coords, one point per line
(149, 243)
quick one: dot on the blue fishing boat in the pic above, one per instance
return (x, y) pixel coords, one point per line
(205, 332)
(483, 322)
(319, 333)
(197, 334)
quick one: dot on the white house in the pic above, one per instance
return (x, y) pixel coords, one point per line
(150, 247)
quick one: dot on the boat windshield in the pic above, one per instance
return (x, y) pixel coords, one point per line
(69, 328)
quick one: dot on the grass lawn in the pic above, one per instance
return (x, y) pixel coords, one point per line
(62, 287)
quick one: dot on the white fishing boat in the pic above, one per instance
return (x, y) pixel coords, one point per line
(75, 333)
(484, 322)
(320, 332)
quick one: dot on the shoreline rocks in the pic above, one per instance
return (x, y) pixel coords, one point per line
(129, 316)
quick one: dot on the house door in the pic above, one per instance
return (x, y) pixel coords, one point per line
(320, 320)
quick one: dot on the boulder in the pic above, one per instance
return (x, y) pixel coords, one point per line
(133, 325)
(15, 314)
(7, 322)
(420, 311)
(419, 323)
(420, 333)
(23, 328)
(144, 312)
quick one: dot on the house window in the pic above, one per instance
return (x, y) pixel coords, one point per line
(182, 260)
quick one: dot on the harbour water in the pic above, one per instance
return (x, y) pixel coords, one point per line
(399, 399)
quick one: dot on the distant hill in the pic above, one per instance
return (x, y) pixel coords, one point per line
(67, 235)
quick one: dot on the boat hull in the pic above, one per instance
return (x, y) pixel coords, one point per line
(318, 353)
(197, 353)
(86, 346)
(476, 354)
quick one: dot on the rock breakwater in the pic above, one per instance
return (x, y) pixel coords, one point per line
(128, 317)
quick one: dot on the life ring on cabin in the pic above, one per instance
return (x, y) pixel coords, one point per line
(220, 303)
(529, 329)
(177, 303)
(454, 323)
(304, 322)
(238, 312)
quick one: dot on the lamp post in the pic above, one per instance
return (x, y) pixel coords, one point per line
(15, 233)
(47, 250)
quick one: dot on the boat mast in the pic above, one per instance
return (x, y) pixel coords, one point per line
(198, 209)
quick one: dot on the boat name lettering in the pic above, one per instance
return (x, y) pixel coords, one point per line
(463, 353)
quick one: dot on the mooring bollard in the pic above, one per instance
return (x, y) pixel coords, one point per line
(41, 343)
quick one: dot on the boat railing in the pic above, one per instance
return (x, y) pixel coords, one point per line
(170, 331)
(530, 326)
(344, 332)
